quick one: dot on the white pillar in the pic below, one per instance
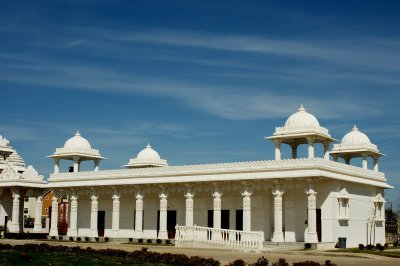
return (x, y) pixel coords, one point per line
(310, 148)
(278, 233)
(76, 164)
(163, 233)
(15, 226)
(56, 165)
(364, 161)
(73, 217)
(326, 150)
(189, 208)
(347, 160)
(335, 157)
(139, 215)
(311, 236)
(246, 210)
(376, 166)
(96, 165)
(277, 149)
(37, 228)
(94, 208)
(54, 216)
(217, 210)
(115, 214)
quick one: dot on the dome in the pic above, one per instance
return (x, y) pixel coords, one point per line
(77, 142)
(148, 154)
(17, 161)
(146, 158)
(302, 119)
(355, 137)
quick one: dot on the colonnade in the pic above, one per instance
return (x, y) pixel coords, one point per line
(311, 150)
(277, 192)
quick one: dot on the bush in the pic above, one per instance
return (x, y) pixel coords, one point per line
(380, 247)
(87, 238)
(261, 262)
(329, 263)
(149, 241)
(168, 242)
(238, 262)
(281, 262)
(97, 239)
(78, 238)
(307, 246)
(140, 240)
(130, 239)
(106, 239)
(386, 245)
(71, 238)
(53, 238)
(369, 246)
(306, 263)
(361, 246)
(159, 241)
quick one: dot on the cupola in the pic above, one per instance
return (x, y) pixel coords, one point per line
(147, 157)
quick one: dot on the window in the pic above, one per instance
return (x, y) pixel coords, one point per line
(379, 208)
(25, 210)
(343, 200)
(46, 210)
(26, 199)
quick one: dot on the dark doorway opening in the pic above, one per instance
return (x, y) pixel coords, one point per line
(319, 225)
(239, 220)
(101, 221)
(171, 223)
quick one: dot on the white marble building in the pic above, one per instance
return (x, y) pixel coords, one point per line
(312, 200)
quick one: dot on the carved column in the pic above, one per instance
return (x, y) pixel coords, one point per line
(56, 165)
(76, 164)
(217, 210)
(376, 166)
(96, 165)
(326, 150)
(310, 141)
(311, 236)
(163, 233)
(94, 208)
(54, 216)
(294, 151)
(277, 149)
(189, 208)
(278, 233)
(139, 215)
(15, 226)
(115, 214)
(364, 161)
(37, 228)
(73, 218)
(246, 210)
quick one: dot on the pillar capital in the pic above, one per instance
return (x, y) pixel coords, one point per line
(310, 140)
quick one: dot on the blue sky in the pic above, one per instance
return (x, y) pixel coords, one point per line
(202, 81)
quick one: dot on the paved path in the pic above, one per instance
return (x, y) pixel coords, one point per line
(226, 256)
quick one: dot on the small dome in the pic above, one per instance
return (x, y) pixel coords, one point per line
(355, 137)
(77, 142)
(17, 161)
(302, 119)
(148, 154)
(146, 158)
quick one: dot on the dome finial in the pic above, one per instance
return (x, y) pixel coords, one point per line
(148, 145)
(355, 127)
(302, 109)
(77, 133)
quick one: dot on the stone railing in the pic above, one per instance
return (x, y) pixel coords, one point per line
(187, 235)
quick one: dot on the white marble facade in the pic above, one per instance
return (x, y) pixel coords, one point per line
(313, 199)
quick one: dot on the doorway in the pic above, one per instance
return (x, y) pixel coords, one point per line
(239, 220)
(224, 219)
(101, 221)
(171, 223)
(319, 225)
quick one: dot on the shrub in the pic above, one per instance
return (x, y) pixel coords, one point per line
(329, 263)
(71, 238)
(386, 245)
(53, 238)
(149, 241)
(168, 242)
(280, 262)
(395, 244)
(369, 246)
(380, 247)
(261, 262)
(78, 238)
(307, 246)
(87, 238)
(140, 240)
(361, 246)
(60, 238)
(130, 239)
(306, 263)
(106, 239)
(159, 241)
(97, 239)
(238, 262)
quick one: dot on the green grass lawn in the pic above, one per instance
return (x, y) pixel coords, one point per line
(389, 252)
(12, 257)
